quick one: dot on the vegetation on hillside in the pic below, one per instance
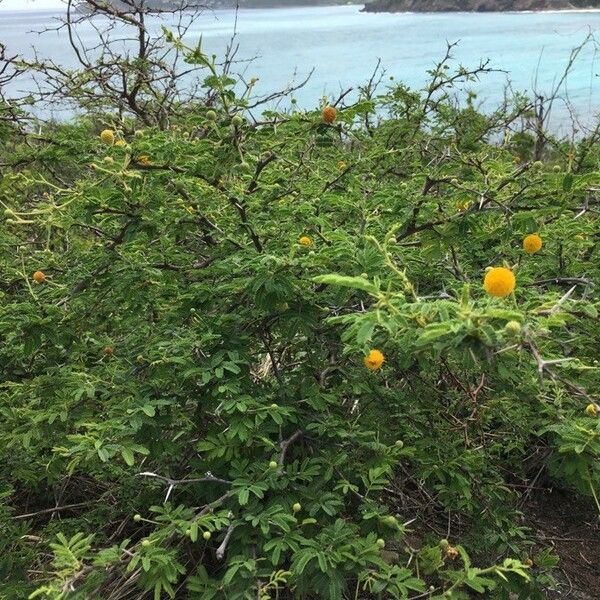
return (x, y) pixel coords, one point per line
(251, 354)
(477, 5)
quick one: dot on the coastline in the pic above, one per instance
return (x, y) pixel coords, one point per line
(482, 6)
(487, 12)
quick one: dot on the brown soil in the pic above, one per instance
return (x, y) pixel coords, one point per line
(571, 526)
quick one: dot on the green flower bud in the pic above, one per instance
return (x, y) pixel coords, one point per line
(512, 328)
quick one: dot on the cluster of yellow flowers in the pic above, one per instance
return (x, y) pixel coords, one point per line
(501, 281)
(108, 137)
(498, 282)
(305, 241)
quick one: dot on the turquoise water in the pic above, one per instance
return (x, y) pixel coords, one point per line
(343, 46)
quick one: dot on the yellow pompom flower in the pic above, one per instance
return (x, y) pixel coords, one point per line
(499, 282)
(532, 243)
(329, 114)
(305, 241)
(39, 277)
(144, 160)
(342, 165)
(591, 410)
(374, 360)
(108, 137)
(120, 143)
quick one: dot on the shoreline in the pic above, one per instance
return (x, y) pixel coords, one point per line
(483, 12)
(361, 6)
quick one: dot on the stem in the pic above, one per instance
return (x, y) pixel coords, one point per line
(595, 496)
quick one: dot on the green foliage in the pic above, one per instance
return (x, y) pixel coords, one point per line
(187, 388)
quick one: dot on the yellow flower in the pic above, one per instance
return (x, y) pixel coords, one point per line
(499, 282)
(374, 360)
(532, 243)
(144, 160)
(108, 137)
(591, 410)
(329, 114)
(305, 241)
(120, 143)
(463, 205)
(39, 277)
(342, 165)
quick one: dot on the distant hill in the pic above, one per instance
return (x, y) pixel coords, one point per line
(477, 5)
(168, 4)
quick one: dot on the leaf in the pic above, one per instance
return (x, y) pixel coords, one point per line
(128, 457)
(194, 531)
(149, 410)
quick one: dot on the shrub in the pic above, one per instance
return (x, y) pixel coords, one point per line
(265, 382)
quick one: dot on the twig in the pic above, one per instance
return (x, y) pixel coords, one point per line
(52, 510)
(285, 444)
(172, 483)
(223, 547)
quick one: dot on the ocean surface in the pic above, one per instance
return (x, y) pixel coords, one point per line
(342, 46)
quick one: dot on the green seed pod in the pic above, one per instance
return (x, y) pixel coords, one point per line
(512, 328)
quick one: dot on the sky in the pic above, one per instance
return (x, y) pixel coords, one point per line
(29, 4)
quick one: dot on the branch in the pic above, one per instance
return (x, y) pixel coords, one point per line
(223, 547)
(172, 483)
(285, 444)
(52, 510)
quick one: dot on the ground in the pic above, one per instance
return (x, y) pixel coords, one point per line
(572, 527)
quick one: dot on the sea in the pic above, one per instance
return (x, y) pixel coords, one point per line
(340, 48)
